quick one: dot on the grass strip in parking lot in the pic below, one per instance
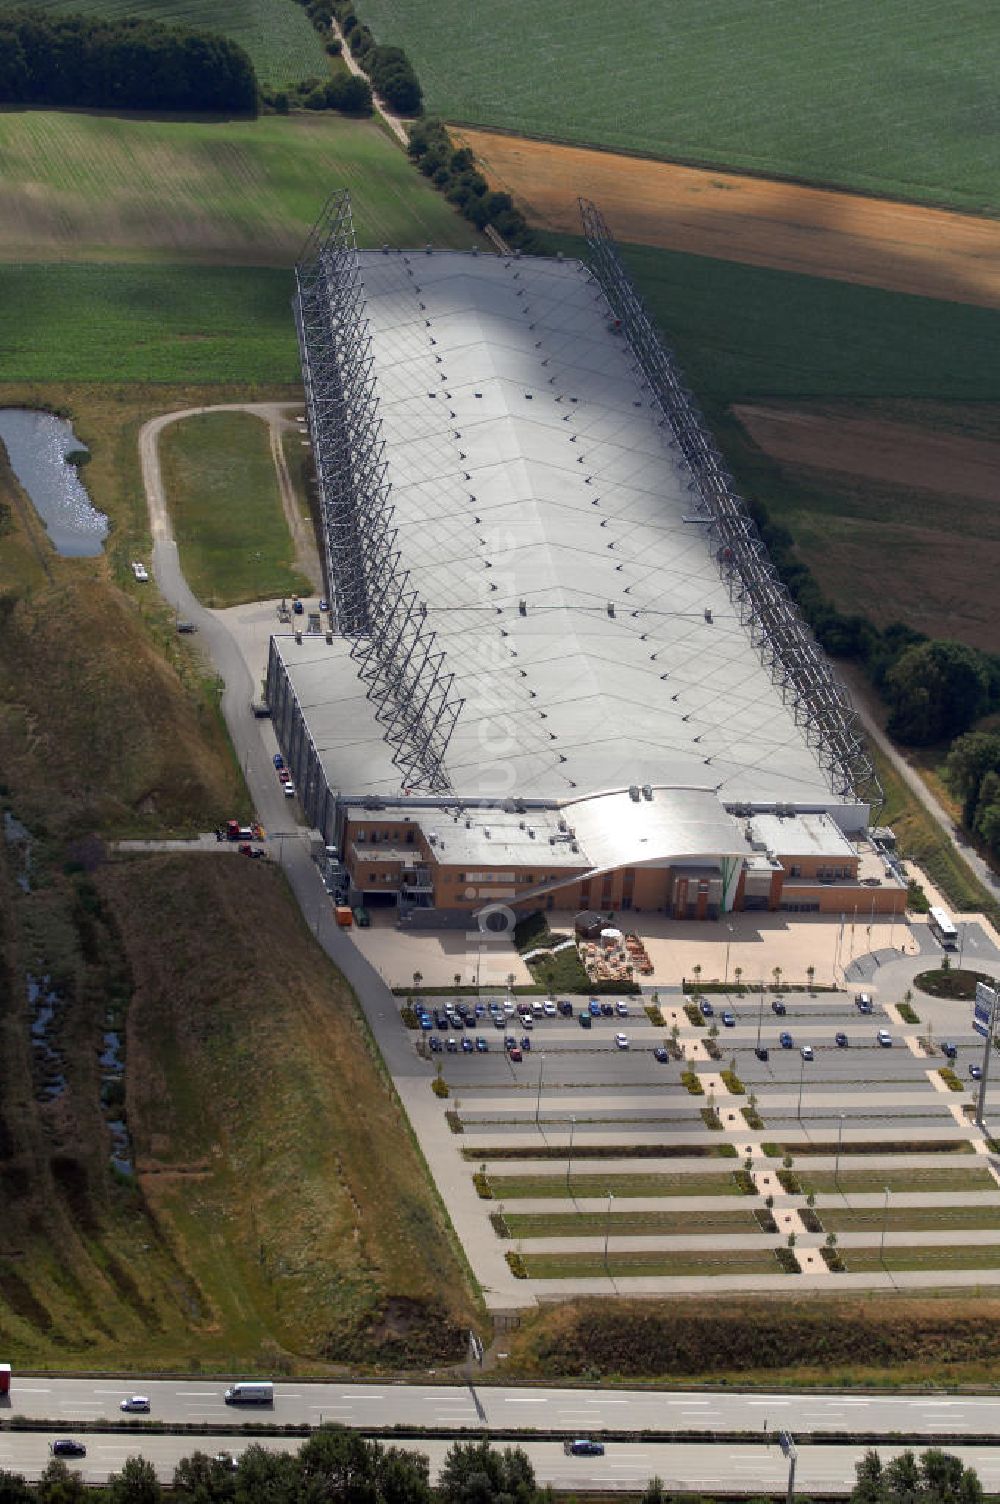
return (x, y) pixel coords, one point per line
(819, 1147)
(624, 1265)
(604, 1151)
(972, 1256)
(627, 1224)
(521, 1187)
(934, 1178)
(908, 1218)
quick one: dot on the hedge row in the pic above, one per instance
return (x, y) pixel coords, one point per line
(390, 70)
(454, 172)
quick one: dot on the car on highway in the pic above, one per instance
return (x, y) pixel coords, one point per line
(728, 1019)
(514, 1053)
(778, 1007)
(583, 1447)
(948, 1049)
(806, 1052)
(884, 1038)
(662, 1054)
(136, 1404)
(621, 1041)
(976, 1072)
(65, 1446)
(761, 1052)
(785, 1040)
(707, 1011)
(482, 1044)
(840, 1040)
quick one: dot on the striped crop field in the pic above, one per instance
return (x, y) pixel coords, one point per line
(282, 45)
(894, 98)
(84, 187)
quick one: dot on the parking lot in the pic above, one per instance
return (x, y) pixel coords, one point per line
(698, 1152)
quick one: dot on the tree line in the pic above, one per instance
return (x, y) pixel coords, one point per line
(129, 64)
(338, 1466)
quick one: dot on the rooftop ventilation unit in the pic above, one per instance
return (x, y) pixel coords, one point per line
(531, 834)
(486, 832)
(633, 792)
(647, 791)
(708, 614)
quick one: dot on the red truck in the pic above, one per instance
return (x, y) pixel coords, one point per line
(4, 1378)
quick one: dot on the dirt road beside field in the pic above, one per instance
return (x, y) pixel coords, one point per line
(878, 242)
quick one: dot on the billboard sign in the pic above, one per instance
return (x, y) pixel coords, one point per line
(982, 1015)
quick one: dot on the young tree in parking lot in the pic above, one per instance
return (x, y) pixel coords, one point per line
(776, 974)
(810, 976)
(738, 974)
(418, 977)
(696, 973)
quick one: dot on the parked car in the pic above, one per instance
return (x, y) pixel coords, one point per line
(297, 606)
(288, 789)
(324, 604)
(761, 1052)
(278, 760)
(884, 1038)
(537, 1007)
(778, 1007)
(863, 1002)
(840, 1040)
(451, 1045)
(499, 1022)
(807, 1052)
(948, 1049)
(785, 1040)
(594, 1008)
(728, 1019)
(526, 1044)
(527, 1020)
(621, 1040)
(621, 1008)
(425, 1021)
(661, 1054)
(467, 1045)
(565, 1007)
(607, 1010)
(583, 1447)
(137, 1404)
(514, 1053)
(65, 1447)
(976, 1072)
(549, 1008)
(586, 1022)
(482, 1044)
(284, 776)
(435, 1044)
(706, 1008)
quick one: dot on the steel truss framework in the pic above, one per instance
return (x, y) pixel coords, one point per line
(373, 600)
(797, 664)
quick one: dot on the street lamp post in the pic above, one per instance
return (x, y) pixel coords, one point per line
(885, 1219)
(836, 1163)
(760, 1017)
(802, 1077)
(728, 944)
(607, 1232)
(961, 944)
(538, 1097)
(569, 1158)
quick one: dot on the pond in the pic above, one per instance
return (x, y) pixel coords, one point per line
(37, 445)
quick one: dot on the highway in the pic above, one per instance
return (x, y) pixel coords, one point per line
(503, 1409)
(684, 1467)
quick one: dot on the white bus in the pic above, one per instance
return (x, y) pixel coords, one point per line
(942, 928)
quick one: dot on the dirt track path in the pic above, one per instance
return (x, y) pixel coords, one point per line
(274, 415)
(845, 236)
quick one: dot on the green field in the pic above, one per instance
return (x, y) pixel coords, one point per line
(82, 187)
(731, 1261)
(222, 493)
(627, 1224)
(515, 1187)
(891, 98)
(282, 45)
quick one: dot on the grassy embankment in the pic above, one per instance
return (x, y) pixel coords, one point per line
(225, 508)
(777, 89)
(282, 45)
(798, 1342)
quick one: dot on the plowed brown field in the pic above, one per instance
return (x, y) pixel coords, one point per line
(879, 242)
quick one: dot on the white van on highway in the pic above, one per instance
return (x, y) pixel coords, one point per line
(250, 1394)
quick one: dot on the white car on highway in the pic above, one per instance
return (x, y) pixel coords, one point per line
(136, 1404)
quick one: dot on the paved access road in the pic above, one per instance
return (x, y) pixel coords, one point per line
(571, 1411)
(689, 1467)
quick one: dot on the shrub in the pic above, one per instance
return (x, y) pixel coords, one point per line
(786, 1258)
(907, 1014)
(746, 1182)
(810, 1220)
(711, 1119)
(516, 1265)
(440, 1087)
(752, 1118)
(655, 1016)
(765, 1219)
(409, 1017)
(789, 1182)
(483, 1188)
(692, 1081)
(693, 1015)
(733, 1083)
